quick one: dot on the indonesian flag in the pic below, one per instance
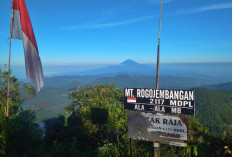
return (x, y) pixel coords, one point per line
(22, 29)
(131, 100)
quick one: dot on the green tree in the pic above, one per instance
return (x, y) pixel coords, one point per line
(100, 108)
(103, 117)
(94, 124)
(197, 134)
(19, 135)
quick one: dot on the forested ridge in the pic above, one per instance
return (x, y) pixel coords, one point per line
(214, 110)
(95, 124)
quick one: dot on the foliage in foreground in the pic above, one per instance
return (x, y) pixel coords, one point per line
(19, 135)
(94, 124)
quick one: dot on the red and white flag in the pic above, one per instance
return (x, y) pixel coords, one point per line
(22, 29)
(131, 100)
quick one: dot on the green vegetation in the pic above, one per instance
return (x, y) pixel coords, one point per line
(95, 124)
(17, 132)
(213, 109)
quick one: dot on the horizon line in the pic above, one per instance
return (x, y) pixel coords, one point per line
(115, 64)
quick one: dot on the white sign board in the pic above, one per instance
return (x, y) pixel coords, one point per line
(157, 128)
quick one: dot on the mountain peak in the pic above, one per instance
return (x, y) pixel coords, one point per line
(129, 62)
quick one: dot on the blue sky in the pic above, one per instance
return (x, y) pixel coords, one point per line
(102, 32)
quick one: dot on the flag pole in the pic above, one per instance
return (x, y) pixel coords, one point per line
(158, 49)
(7, 109)
(156, 145)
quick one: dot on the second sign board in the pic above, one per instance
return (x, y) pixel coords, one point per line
(159, 128)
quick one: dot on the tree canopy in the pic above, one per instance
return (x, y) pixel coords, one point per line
(94, 124)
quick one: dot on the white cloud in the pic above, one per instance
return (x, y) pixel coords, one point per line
(208, 8)
(153, 1)
(109, 24)
(158, 1)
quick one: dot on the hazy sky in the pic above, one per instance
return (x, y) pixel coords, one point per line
(82, 32)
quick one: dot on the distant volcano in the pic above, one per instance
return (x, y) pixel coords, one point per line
(126, 67)
(129, 62)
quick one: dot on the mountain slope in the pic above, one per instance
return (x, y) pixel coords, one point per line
(222, 86)
(147, 81)
(214, 108)
(48, 103)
